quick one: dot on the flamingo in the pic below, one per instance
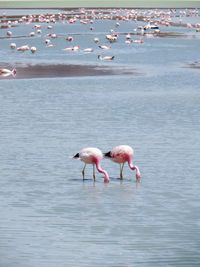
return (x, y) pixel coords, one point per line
(92, 155)
(122, 154)
(88, 50)
(7, 72)
(13, 45)
(104, 47)
(33, 49)
(96, 40)
(106, 57)
(23, 48)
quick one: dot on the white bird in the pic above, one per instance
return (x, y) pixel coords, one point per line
(122, 154)
(47, 41)
(69, 39)
(104, 47)
(88, 50)
(31, 34)
(72, 48)
(128, 36)
(96, 40)
(9, 33)
(92, 155)
(23, 48)
(106, 57)
(33, 49)
(7, 72)
(13, 45)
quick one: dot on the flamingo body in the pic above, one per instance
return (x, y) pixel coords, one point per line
(106, 57)
(92, 155)
(7, 72)
(122, 154)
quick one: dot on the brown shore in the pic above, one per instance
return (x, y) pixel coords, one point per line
(29, 71)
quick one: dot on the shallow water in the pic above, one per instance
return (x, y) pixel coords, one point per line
(49, 217)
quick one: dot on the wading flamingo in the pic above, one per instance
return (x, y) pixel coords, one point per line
(6, 72)
(106, 57)
(92, 155)
(122, 154)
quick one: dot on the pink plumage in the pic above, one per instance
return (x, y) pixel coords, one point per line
(92, 155)
(122, 154)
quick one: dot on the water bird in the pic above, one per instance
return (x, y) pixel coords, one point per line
(104, 47)
(106, 57)
(9, 33)
(111, 38)
(96, 40)
(69, 39)
(31, 34)
(33, 49)
(23, 48)
(7, 72)
(73, 48)
(13, 45)
(88, 50)
(92, 155)
(122, 154)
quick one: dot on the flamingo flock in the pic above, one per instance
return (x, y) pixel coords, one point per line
(147, 24)
(120, 154)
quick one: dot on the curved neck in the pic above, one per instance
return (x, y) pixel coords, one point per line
(134, 167)
(106, 176)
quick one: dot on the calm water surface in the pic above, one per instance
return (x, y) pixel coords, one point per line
(49, 217)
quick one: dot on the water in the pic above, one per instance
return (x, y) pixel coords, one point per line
(49, 217)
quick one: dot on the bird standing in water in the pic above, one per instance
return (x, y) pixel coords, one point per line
(7, 72)
(122, 154)
(92, 155)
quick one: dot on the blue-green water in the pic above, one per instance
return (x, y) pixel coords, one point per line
(49, 217)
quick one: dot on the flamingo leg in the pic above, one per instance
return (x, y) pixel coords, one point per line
(94, 177)
(121, 170)
(83, 171)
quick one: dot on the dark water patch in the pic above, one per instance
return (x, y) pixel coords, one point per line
(28, 71)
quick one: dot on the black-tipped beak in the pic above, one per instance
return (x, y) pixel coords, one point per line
(108, 154)
(76, 156)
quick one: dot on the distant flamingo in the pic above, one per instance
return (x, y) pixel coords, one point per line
(122, 154)
(104, 47)
(92, 155)
(7, 72)
(106, 57)
(33, 49)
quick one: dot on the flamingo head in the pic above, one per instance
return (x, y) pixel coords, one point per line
(138, 176)
(76, 156)
(14, 71)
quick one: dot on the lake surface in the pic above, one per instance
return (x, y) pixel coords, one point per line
(49, 216)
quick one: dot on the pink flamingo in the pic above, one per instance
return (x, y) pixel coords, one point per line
(92, 155)
(122, 154)
(7, 72)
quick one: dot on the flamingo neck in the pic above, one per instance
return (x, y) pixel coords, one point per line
(134, 167)
(106, 176)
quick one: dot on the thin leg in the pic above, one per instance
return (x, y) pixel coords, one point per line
(121, 170)
(83, 172)
(94, 177)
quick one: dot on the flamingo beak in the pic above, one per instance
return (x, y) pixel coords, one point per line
(76, 156)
